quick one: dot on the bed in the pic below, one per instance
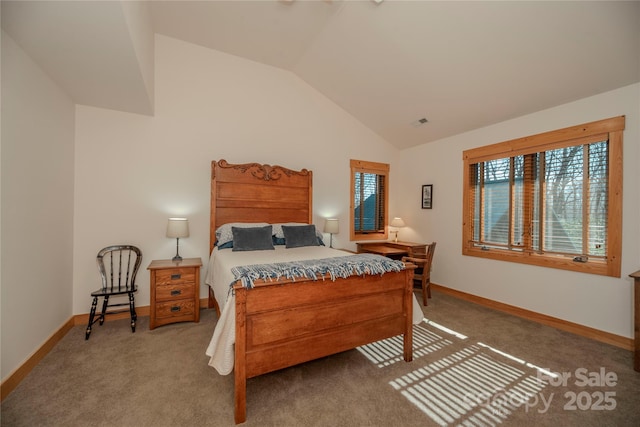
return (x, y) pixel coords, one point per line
(270, 324)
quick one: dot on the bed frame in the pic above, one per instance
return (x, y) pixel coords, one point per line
(281, 324)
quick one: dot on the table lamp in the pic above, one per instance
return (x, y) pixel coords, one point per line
(398, 223)
(331, 226)
(177, 227)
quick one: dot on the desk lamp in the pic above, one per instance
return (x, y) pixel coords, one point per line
(398, 223)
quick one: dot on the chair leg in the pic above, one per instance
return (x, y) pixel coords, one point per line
(105, 304)
(92, 314)
(134, 316)
(424, 294)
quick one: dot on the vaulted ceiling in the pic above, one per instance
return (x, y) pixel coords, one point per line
(461, 65)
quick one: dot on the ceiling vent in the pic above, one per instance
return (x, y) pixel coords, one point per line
(419, 122)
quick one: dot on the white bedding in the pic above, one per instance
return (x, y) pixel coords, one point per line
(219, 277)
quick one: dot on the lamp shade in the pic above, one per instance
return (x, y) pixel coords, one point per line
(332, 226)
(397, 222)
(178, 227)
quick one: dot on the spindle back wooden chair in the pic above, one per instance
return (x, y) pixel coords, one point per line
(423, 272)
(118, 266)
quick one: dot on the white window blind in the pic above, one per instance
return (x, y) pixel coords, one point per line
(369, 200)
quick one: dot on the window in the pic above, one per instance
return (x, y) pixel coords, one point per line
(553, 199)
(369, 200)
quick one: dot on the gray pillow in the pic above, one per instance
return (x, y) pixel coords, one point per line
(252, 238)
(224, 235)
(299, 236)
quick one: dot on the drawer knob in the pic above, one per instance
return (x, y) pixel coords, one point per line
(175, 308)
(176, 292)
(176, 276)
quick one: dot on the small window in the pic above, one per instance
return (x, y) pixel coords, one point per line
(553, 199)
(369, 200)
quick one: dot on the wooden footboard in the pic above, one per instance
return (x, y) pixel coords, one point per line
(281, 325)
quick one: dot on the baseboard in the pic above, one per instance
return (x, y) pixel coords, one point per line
(23, 370)
(83, 319)
(585, 331)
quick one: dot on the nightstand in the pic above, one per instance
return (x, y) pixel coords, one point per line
(175, 291)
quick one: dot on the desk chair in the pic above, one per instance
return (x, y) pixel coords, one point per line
(118, 266)
(423, 272)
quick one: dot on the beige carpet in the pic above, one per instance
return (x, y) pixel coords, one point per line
(472, 366)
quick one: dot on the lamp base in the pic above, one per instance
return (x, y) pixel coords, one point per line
(177, 258)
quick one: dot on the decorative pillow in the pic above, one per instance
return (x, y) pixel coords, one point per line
(277, 228)
(224, 235)
(278, 234)
(299, 236)
(252, 238)
(283, 241)
(227, 245)
(278, 240)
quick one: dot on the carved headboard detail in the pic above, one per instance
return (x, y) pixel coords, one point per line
(254, 192)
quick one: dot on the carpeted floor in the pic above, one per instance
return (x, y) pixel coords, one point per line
(472, 366)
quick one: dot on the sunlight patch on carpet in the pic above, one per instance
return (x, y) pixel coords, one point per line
(388, 351)
(473, 386)
(445, 329)
(544, 371)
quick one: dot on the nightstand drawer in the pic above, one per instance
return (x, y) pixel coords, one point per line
(175, 308)
(175, 291)
(175, 276)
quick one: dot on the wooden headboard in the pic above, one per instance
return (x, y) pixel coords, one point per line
(253, 192)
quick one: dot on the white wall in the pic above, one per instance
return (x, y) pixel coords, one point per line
(138, 18)
(600, 302)
(133, 172)
(37, 206)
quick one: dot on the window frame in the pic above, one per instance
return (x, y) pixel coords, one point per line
(613, 129)
(363, 166)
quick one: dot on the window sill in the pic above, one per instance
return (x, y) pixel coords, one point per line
(369, 236)
(592, 266)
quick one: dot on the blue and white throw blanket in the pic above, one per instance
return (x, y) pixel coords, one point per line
(342, 267)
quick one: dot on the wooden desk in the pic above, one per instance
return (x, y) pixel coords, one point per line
(395, 250)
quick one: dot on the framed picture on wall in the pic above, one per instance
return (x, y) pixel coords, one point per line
(427, 196)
